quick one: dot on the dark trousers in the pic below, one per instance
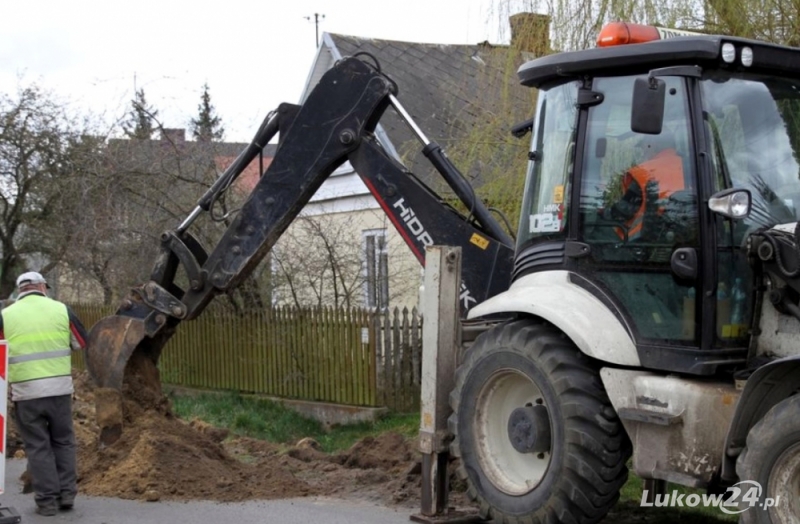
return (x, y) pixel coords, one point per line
(46, 428)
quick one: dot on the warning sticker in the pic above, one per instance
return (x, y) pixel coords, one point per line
(545, 223)
(558, 194)
(734, 330)
(479, 241)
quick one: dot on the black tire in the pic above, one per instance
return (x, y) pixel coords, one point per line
(532, 362)
(771, 457)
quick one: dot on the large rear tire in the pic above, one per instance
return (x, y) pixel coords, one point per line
(538, 439)
(772, 459)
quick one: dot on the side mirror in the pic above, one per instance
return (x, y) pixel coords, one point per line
(731, 203)
(522, 129)
(647, 106)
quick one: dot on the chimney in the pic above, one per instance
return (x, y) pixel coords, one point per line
(176, 136)
(530, 32)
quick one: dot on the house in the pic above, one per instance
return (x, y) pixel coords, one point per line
(343, 249)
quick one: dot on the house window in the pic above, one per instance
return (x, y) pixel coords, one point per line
(376, 269)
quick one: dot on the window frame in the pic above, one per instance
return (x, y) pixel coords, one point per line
(375, 268)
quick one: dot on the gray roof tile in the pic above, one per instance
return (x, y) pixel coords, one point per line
(448, 89)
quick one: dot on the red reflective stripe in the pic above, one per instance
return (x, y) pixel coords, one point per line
(3, 359)
(634, 228)
(77, 335)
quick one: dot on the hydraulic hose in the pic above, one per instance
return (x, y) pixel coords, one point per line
(266, 131)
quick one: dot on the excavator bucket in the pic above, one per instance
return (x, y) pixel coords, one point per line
(112, 341)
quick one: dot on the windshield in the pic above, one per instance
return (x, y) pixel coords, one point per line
(755, 127)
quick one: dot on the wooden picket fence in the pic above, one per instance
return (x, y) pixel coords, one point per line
(398, 351)
(346, 356)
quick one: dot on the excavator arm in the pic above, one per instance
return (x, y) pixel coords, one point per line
(335, 124)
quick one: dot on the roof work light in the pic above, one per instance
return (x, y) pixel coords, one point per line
(621, 33)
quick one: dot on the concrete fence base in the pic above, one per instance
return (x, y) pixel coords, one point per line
(327, 413)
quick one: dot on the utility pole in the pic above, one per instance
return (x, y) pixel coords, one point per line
(317, 18)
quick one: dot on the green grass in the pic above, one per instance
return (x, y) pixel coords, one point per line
(264, 419)
(343, 437)
(631, 497)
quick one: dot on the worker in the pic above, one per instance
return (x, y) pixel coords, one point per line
(653, 180)
(41, 334)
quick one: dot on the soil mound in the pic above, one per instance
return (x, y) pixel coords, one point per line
(389, 452)
(161, 457)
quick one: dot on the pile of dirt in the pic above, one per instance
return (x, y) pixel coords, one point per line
(161, 457)
(384, 469)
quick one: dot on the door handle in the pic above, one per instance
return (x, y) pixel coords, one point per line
(683, 263)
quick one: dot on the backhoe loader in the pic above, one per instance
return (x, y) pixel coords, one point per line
(648, 312)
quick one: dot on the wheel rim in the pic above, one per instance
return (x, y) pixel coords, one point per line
(506, 468)
(784, 482)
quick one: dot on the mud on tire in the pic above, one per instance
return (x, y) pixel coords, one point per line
(514, 380)
(772, 458)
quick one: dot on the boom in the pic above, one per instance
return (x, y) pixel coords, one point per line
(334, 125)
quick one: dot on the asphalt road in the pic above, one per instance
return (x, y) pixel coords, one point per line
(102, 510)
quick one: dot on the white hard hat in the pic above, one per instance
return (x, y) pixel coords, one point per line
(31, 277)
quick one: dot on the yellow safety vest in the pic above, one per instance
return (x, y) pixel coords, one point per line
(38, 334)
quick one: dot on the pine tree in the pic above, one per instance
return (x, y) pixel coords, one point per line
(207, 127)
(140, 118)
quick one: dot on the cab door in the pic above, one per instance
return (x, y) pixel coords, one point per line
(638, 213)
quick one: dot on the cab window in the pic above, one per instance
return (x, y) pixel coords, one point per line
(638, 206)
(547, 185)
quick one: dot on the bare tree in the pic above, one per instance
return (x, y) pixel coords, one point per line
(315, 263)
(321, 261)
(576, 24)
(147, 187)
(42, 153)
(134, 191)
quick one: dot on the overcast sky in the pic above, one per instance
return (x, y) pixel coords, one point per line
(253, 54)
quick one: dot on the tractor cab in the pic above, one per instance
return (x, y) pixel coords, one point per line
(654, 156)
(655, 295)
